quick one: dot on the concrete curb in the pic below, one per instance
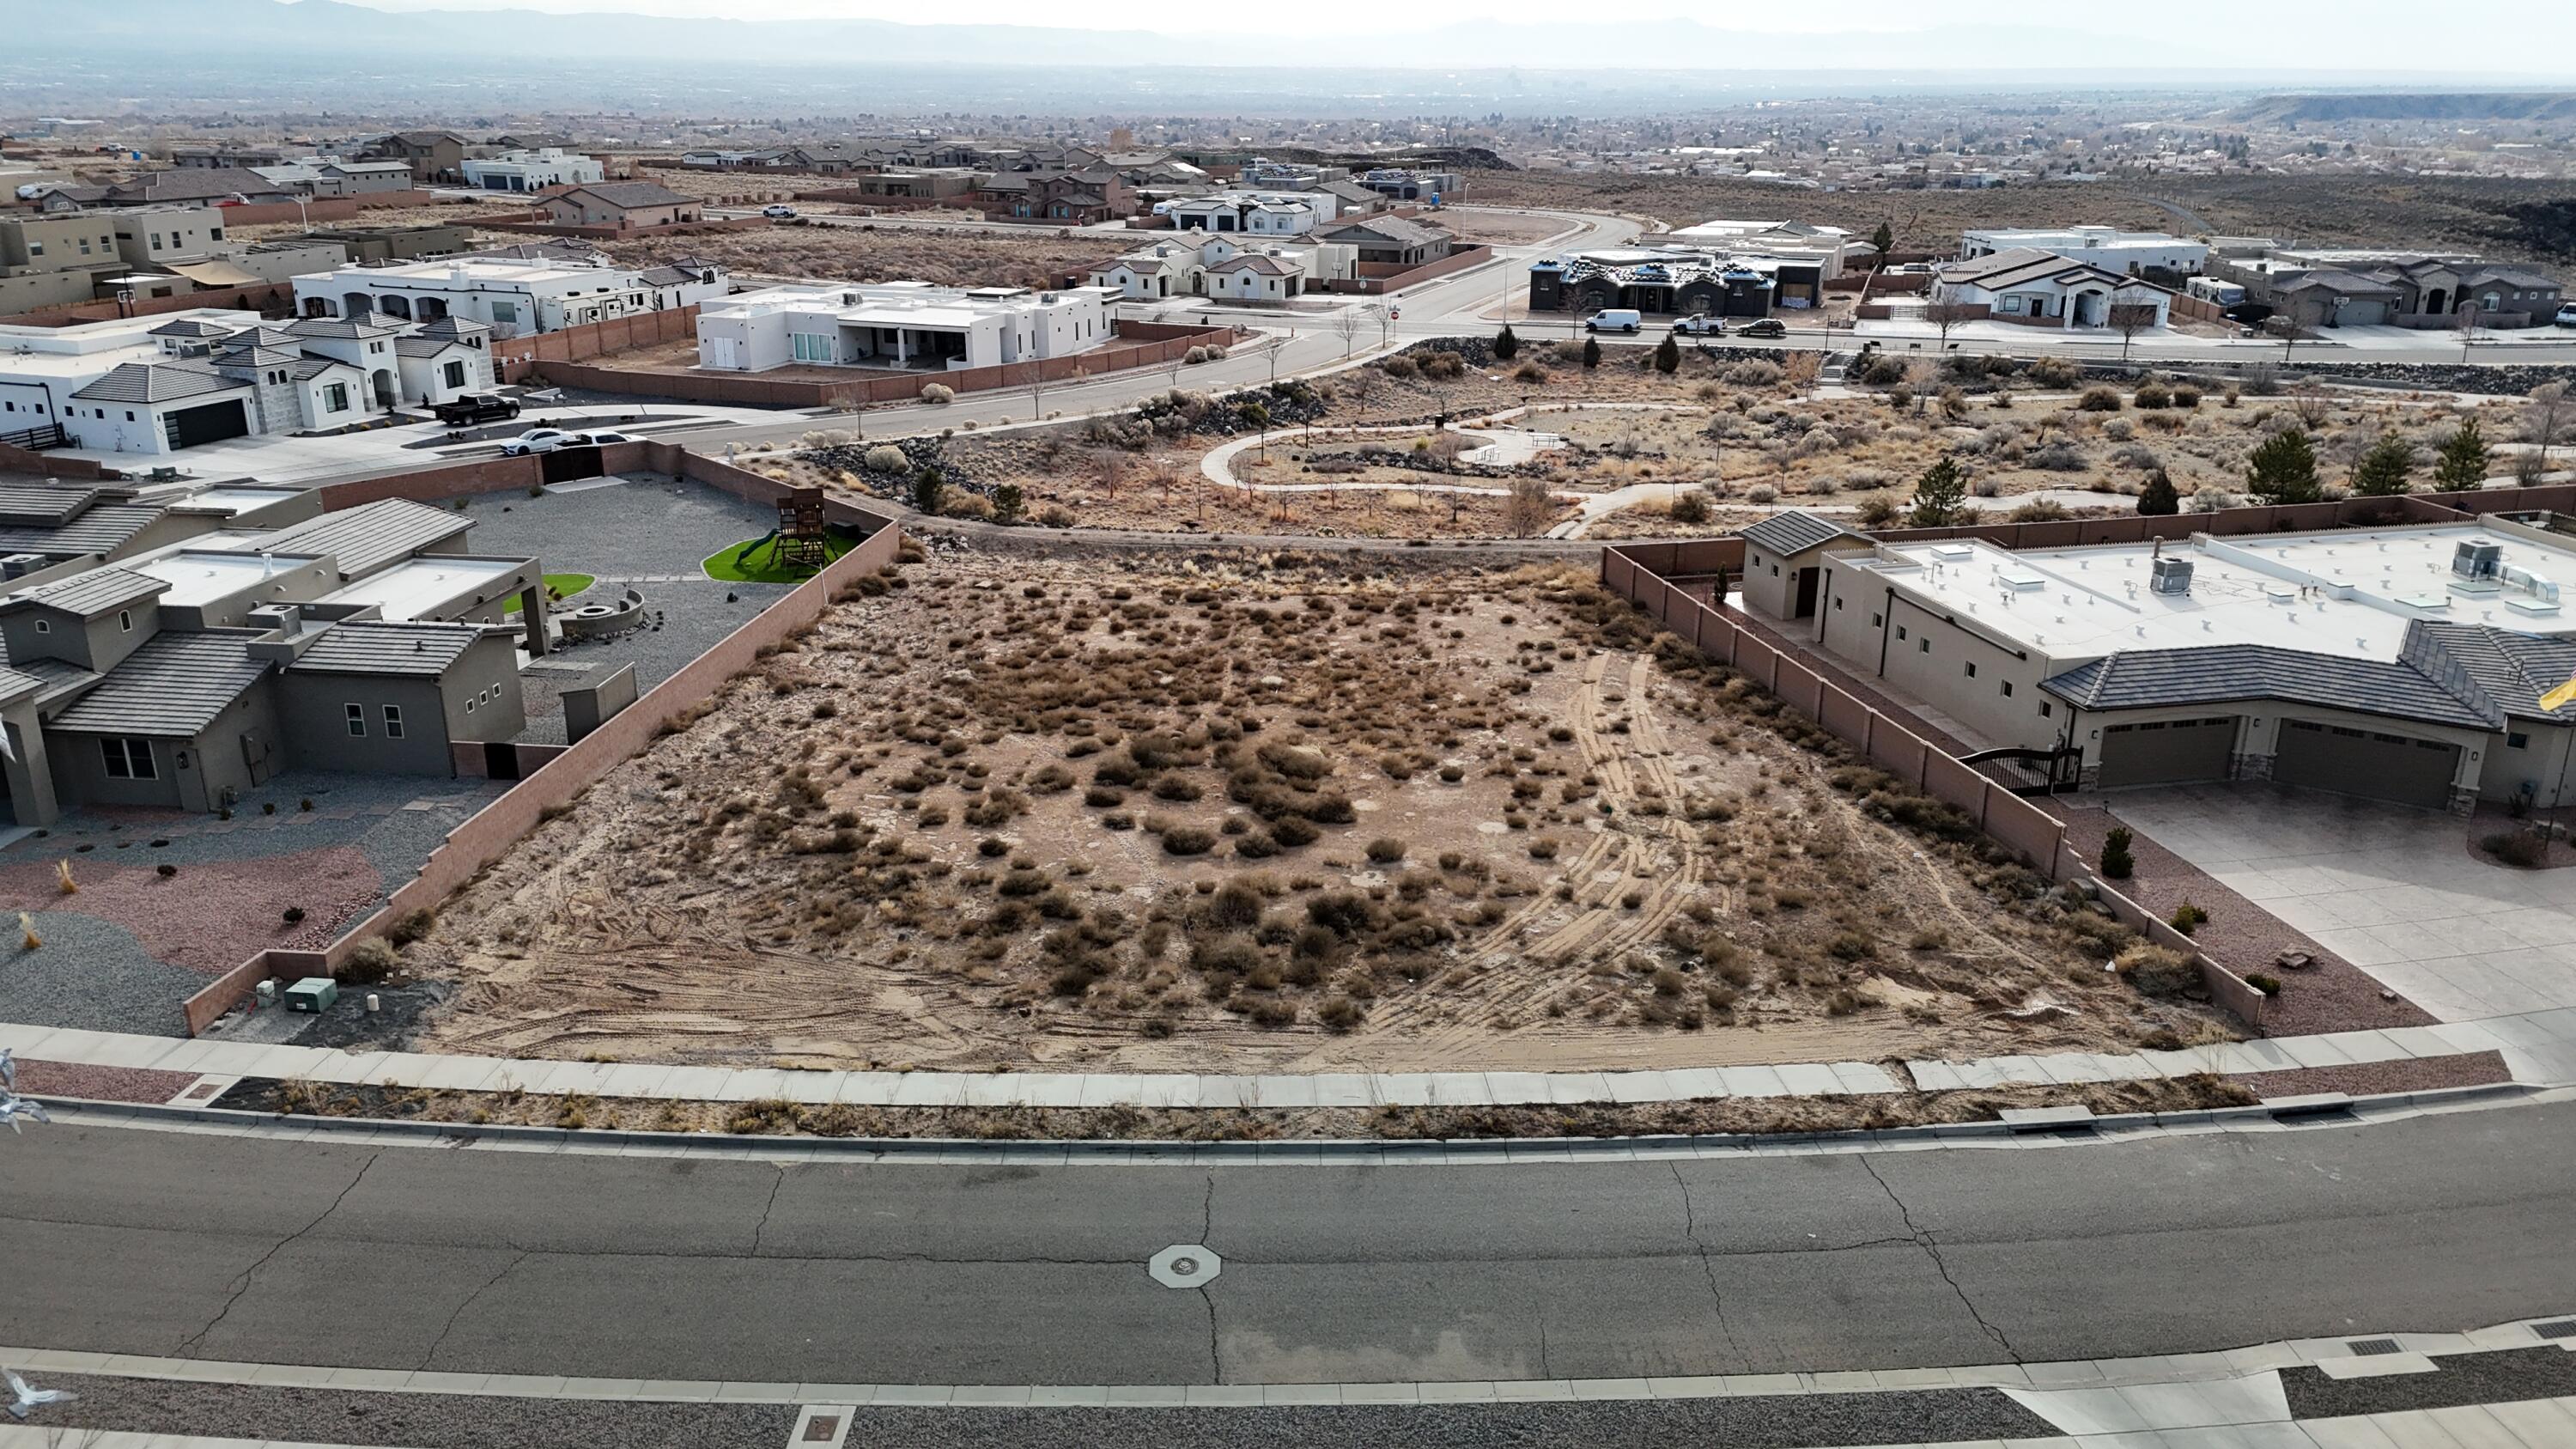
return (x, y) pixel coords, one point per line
(73, 1111)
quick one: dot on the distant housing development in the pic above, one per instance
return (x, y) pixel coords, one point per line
(908, 325)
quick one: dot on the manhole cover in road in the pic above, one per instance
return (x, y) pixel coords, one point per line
(1184, 1265)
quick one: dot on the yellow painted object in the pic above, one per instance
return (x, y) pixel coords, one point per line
(63, 874)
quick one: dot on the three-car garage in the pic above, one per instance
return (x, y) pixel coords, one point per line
(2344, 759)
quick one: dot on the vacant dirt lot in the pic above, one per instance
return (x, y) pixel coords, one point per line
(859, 254)
(2504, 219)
(1249, 814)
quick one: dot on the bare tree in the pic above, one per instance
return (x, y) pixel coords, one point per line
(1527, 509)
(2308, 401)
(1346, 323)
(1945, 315)
(2547, 415)
(2129, 319)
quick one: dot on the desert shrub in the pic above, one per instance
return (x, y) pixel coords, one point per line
(938, 394)
(1526, 372)
(1386, 850)
(1876, 510)
(2518, 848)
(1294, 830)
(412, 925)
(1339, 1013)
(1400, 366)
(885, 458)
(1754, 373)
(1235, 907)
(1055, 515)
(962, 504)
(2267, 984)
(1762, 493)
(2155, 971)
(2039, 510)
(1188, 840)
(369, 962)
(2099, 400)
(2186, 396)
(1444, 366)
(2057, 457)
(2152, 393)
(2188, 918)
(2055, 373)
(1690, 506)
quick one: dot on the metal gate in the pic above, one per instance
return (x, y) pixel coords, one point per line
(566, 465)
(2400, 769)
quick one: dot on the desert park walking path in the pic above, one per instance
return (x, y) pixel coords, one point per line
(2538, 1047)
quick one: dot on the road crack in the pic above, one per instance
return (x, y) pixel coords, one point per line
(766, 1209)
(1708, 1269)
(1932, 1249)
(241, 1284)
(518, 1255)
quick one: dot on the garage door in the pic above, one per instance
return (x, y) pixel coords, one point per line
(2349, 761)
(2167, 752)
(187, 427)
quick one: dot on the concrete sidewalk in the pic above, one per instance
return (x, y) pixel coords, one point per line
(2540, 1049)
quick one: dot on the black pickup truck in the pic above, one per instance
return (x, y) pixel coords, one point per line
(475, 408)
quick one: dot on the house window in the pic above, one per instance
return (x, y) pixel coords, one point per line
(1900, 633)
(1877, 620)
(1972, 666)
(357, 721)
(125, 621)
(1838, 606)
(156, 241)
(44, 627)
(2007, 689)
(127, 758)
(1923, 645)
(2044, 710)
(455, 374)
(2517, 741)
(335, 398)
(393, 722)
(810, 346)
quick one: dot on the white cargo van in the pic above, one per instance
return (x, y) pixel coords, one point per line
(1615, 319)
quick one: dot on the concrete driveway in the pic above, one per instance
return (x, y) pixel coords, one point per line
(2394, 891)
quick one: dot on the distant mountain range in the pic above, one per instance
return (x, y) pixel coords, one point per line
(327, 32)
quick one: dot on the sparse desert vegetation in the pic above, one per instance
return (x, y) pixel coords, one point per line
(1263, 815)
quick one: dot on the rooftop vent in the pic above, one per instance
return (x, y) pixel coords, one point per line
(2170, 575)
(2477, 558)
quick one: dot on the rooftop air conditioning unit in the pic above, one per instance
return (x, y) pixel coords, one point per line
(2477, 558)
(2169, 575)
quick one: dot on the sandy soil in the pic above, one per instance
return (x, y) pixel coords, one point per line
(1198, 818)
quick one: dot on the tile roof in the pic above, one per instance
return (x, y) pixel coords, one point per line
(2513, 670)
(34, 504)
(14, 683)
(2228, 673)
(101, 530)
(633, 193)
(366, 646)
(368, 324)
(92, 592)
(157, 382)
(190, 327)
(1393, 228)
(368, 537)
(1794, 530)
(172, 687)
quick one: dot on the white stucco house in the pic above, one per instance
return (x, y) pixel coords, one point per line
(512, 296)
(905, 325)
(1183, 269)
(156, 385)
(1263, 213)
(2114, 250)
(533, 170)
(2043, 289)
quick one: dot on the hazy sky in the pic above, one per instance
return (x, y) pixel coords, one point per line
(1362, 16)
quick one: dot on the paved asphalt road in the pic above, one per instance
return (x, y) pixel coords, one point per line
(130, 1240)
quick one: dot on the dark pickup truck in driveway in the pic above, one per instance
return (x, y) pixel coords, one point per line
(475, 408)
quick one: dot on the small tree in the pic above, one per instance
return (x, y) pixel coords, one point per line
(2383, 470)
(1348, 322)
(2547, 414)
(1940, 495)
(2129, 319)
(1528, 506)
(928, 487)
(2117, 863)
(2284, 469)
(1506, 346)
(1884, 239)
(2159, 499)
(1945, 315)
(1668, 356)
(1591, 352)
(1009, 503)
(2464, 458)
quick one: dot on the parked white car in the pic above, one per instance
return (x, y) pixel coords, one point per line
(548, 440)
(779, 211)
(2567, 315)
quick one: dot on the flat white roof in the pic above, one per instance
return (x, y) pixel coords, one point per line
(403, 591)
(202, 576)
(2349, 592)
(235, 498)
